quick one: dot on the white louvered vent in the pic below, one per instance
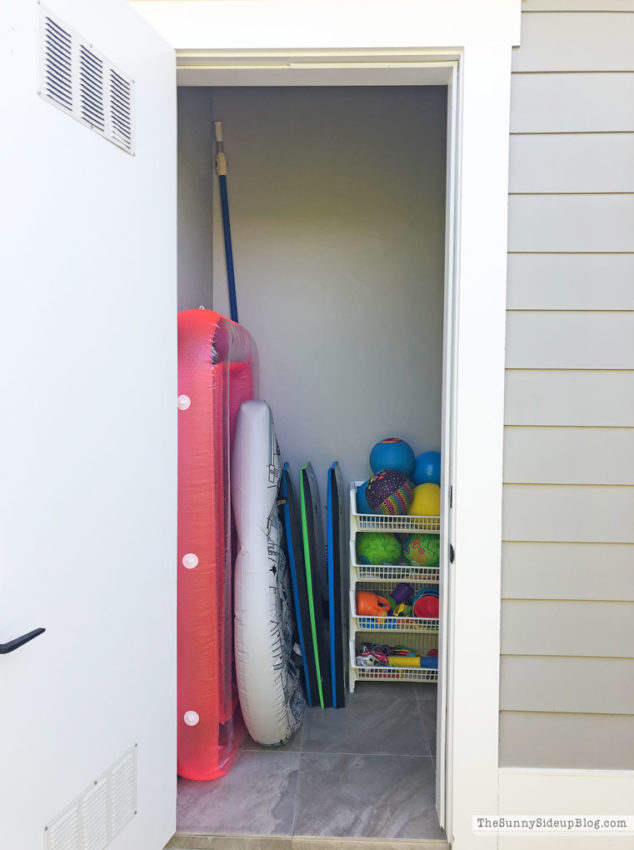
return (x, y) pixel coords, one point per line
(94, 820)
(84, 83)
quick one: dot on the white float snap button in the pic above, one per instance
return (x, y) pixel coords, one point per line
(190, 561)
(184, 401)
(191, 718)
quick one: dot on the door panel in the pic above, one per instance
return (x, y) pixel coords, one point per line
(87, 501)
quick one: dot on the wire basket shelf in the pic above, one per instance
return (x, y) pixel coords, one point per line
(384, 522)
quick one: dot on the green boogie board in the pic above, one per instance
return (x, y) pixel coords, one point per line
(295, 556)
(316, 580)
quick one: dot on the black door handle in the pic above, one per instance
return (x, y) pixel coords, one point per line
(19, 641)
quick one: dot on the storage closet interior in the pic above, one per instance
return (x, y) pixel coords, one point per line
(337, 201)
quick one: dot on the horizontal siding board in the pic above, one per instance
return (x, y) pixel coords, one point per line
(560, 684)
(587, 162)
(581, 103)
(534, 397)
(571, 223)
(580, 629)
(571, 281)
(570, 340)
(577, 5)
(585, 741)
(568, 571)
(569, 455)
(555, 42)
(568, 513)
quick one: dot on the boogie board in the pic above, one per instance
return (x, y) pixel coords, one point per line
(316, 580)
(295, 554)
(337, 584)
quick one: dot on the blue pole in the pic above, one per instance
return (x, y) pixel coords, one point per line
(221, 168)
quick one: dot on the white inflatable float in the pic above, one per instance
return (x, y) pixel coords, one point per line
(271, 698)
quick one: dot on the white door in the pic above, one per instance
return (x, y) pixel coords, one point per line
(88, 430)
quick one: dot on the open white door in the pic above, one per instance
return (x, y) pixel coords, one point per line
(88, 464)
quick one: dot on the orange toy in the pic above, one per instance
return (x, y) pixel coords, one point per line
(371, 604)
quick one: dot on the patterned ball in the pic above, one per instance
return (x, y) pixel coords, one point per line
(378, 547)
(389, 492)
(422, 550)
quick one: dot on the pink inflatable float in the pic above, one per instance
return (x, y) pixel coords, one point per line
(215, 375)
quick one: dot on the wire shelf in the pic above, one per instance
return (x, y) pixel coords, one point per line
(388, 573)
(385, 522)
(394, 674)
(390, 624)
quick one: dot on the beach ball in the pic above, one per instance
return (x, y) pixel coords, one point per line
(392, 453)
(377, 547)
(389, 492)
(427, 468)
(426, 500)
(422, 550)
(362, 501)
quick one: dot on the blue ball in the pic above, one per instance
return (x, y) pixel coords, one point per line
(392, 453)
(427, 469)
(362, 502)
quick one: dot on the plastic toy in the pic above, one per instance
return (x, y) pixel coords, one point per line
(389, 492)
(392, 453)
(422, 550)
(378, 547)
(426, 501)
(401, 593)
(371, 604)
(427, 468)
(362, 502)
(427, 605)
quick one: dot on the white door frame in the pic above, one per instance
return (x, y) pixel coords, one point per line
(475, 285)
(293, 40)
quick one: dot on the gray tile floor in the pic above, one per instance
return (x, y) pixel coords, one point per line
(366, 770)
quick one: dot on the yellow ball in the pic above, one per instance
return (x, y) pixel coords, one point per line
(426, 500)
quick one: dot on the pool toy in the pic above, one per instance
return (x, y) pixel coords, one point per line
(392, 453)
(402, 593)
(427, 468)
(426, 606)
(295, 555)
(316, 579)
(371, 604)
(215, 375)
(378, 547)
(422, 550)
(271, 697)
(362, 503)
(426, 501)
(389, 492)
(337, 536)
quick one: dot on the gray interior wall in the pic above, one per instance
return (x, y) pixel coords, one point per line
(195, 186)
(567, 663)
(337, 212)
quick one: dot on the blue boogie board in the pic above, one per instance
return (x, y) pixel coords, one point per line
(337, 585)
(295, 554)
(316, 579)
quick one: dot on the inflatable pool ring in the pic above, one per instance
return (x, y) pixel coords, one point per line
(215, 375)
(271, 698)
